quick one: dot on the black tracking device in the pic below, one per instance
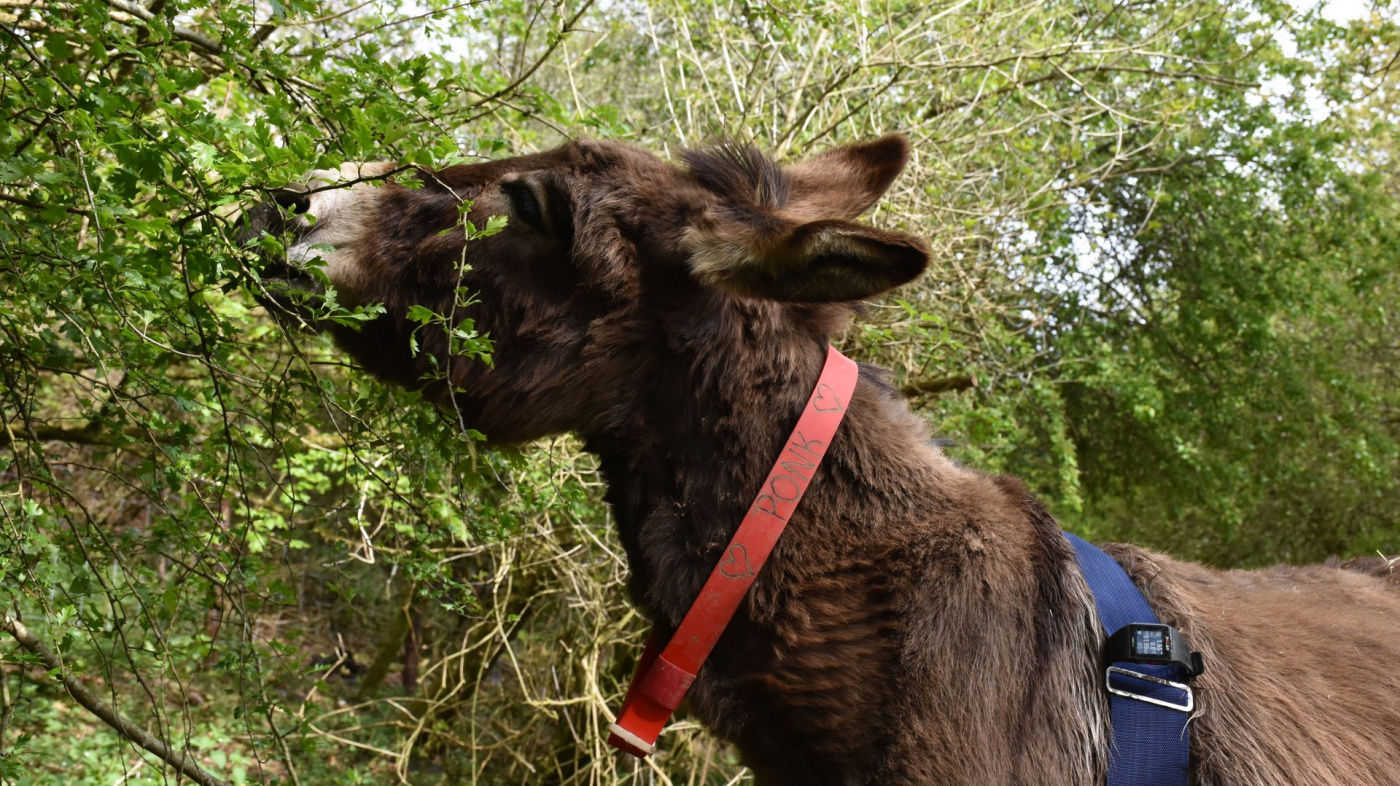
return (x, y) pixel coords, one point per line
(1152, 643)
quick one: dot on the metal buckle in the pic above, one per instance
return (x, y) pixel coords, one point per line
(1190, 697)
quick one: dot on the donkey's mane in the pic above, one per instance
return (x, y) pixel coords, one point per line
(740, 172)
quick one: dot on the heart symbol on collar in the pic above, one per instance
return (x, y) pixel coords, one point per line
(825, 400)
(735, 564)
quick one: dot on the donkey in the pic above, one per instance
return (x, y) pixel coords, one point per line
(919, 622)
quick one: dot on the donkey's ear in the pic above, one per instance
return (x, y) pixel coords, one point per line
(844, 182)
(816, 262)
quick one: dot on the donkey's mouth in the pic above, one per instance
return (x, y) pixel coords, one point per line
(281, 286)
(286, 290)
(279, 277)
(285, 281)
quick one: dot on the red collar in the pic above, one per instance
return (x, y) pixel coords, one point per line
(664, 675)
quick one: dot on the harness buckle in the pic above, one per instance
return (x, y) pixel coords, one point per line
(1186, 707)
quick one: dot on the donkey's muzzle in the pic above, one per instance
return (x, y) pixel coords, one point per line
(282, 286)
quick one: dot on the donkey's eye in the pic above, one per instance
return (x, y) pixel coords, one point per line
(294, 201)
(525, 204)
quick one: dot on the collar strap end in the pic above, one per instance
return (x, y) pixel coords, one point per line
(627, 742)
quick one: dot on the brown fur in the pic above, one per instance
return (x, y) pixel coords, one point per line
(919, 622)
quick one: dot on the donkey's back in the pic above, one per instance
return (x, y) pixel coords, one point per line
(1300, 684)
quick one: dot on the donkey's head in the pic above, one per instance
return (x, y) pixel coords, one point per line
(611, 259)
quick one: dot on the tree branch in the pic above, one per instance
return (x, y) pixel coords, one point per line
(919, 387)
(76, 436)
(564, 31)
(7, 708)
(77, 211)
(181, 761)
(207, 45)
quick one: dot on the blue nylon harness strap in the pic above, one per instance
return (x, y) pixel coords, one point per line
(1151, 742)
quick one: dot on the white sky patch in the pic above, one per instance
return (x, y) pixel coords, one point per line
(1096, 258)
(1342, 11)
(1339, 12)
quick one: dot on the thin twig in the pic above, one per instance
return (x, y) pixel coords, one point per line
(77, 211)
(180, 760)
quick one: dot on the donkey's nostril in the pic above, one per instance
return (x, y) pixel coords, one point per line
(291, 200)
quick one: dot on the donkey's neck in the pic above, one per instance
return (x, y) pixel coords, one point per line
(892, 565)
(700, 432)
